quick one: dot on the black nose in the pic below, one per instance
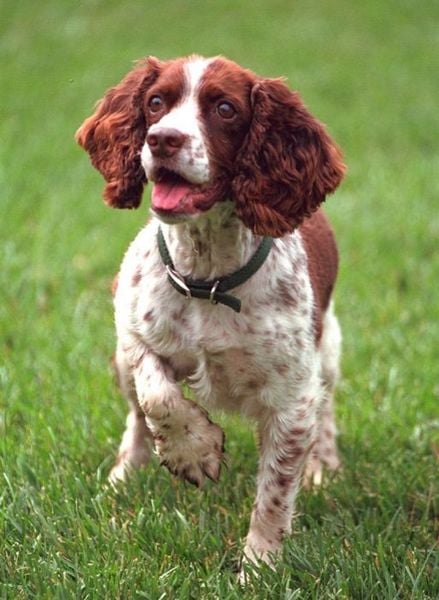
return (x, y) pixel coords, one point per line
(165, 142)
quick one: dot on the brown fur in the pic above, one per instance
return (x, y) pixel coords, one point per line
(286, 165)
(322, 257)
(275, 160)
(115, 134)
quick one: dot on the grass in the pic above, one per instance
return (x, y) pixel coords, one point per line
(370, 71)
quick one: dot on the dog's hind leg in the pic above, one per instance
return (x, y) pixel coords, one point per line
(324, 454)
(135, 447)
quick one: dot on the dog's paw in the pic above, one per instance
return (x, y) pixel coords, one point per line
(314, 470)
(127, 461)
(193, 451)
(257, 552)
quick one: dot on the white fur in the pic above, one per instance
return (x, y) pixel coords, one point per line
(263, 363)
(192, 161)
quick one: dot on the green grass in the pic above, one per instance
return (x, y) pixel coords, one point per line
(370, 70)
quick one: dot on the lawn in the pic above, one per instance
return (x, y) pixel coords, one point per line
(369, 70)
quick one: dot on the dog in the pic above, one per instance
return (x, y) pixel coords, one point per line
(228, 288)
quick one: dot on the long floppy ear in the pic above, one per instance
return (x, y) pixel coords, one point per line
(115, 133)
(286, 165)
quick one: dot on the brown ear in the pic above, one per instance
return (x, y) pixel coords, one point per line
(287, 164)
(115, 133)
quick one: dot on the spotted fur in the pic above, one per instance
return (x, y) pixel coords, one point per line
(246, 159)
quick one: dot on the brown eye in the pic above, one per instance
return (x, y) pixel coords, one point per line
(155, 104)
(226, 110)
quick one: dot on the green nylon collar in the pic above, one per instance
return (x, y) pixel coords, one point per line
(214, 289)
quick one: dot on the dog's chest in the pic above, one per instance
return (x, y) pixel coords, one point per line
(227, 359)
(185, 330)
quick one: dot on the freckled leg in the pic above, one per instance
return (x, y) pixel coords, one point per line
(325, 451)
(285, 442)
(135, 447)
(324, 454)
(186, 441)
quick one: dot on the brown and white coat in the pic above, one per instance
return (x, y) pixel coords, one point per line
(233, 157)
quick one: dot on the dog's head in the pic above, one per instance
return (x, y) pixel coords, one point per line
(206, 130)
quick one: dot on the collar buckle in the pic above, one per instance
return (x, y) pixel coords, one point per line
(178, 279)
(213, 292)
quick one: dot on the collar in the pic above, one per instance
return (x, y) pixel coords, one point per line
(213, 289)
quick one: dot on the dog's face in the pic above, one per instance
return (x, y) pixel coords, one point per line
(206, 130)
(198, 112)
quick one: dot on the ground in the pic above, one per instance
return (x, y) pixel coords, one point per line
(369, 71)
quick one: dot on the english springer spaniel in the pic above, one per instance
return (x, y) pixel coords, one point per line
(228, 287)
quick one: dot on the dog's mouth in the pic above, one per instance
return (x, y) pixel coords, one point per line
(175, 197)
(171, 192)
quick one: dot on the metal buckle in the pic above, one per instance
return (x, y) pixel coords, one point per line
(179, 280)
(212, 293)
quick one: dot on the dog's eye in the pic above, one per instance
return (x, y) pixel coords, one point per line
(226, 110)
(155, 104)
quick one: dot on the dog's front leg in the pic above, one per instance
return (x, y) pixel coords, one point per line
(186, 441)
(286, 439)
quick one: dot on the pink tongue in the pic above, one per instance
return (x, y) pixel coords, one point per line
(169, 196)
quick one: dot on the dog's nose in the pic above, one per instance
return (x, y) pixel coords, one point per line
(165, 142)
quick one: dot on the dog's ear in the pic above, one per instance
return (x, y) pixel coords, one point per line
(115, 133)
(286, 165)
